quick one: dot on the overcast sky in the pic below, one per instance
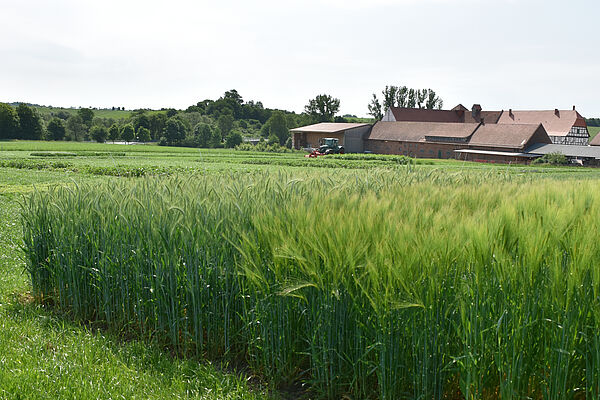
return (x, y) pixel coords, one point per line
(520, 54)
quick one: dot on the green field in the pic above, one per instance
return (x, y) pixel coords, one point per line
(102, 113)
(361, 276)
(593, 131)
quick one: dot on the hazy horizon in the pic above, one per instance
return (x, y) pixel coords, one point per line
(520, 54)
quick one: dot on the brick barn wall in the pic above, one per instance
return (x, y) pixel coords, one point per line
(441, 150)
(495, 159)
(413, 149)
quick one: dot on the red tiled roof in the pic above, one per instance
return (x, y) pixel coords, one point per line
(426, 115)
(515, 136)
(556, 122)
(595, 141)
(411, 131)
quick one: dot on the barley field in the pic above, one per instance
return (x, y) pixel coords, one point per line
(408, 282)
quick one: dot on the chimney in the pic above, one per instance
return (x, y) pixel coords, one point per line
(573, 108)
(556, 112)
(476, 111)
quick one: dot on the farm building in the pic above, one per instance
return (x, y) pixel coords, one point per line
(459, 114)
(595, 141)
(467, 141)
(563, 126)
(582, 155)
(475, 135)
(351, 135)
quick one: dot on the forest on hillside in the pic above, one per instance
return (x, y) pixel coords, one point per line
(224, 122)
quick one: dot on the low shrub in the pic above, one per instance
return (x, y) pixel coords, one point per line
(52, 154)
(264, 147)
(551, 159)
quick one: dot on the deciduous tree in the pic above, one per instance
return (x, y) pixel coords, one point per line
(233, 139)
(323, 107)
(99, 133)
(87, 116)
(143, 134)
(225, 123)
(278, 127)
(9, 122)
(401, 96)
(31, 127)
(113, 132)
(375, 108)
(76, 128)
(127, 133)
(56, 129)
(204, 135)
(174, 131)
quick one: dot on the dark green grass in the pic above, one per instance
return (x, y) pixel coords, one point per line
(45, 356)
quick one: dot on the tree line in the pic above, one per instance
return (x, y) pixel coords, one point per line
(209, 123)
(402, 96)
(224, 122)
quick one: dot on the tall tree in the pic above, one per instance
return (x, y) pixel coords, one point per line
(127, 133)
(141, 120)
(225, 123)
(421, 97)
(412, 98)
(389, 96)
(76, 128)
(402, 96)
(157, 124)
(113, 132)
(143, 134)
(233, 95)
(433, 101)
(31, 127)
(174, 131)
(233, 139)
(323, 107)
(99, 133)
(204, 135)
(56, 129)
(375, 108)
(9, 122)
(87, 116)
(278, 127)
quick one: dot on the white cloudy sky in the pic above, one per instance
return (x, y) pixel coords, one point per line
(527, 54)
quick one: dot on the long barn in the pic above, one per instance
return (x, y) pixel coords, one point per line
(477, 135)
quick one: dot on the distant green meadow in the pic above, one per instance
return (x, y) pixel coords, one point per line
(356, 276)
(102, 113)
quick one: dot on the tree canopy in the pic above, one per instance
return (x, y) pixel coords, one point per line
(99, 133)
(31, 127)
(402, 96)
(56, 129)
(9, 122)
(323, 108)
(127, 133)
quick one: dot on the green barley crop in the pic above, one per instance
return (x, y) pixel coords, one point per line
(411, 283)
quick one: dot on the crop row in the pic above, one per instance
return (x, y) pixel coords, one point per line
(404, 284)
